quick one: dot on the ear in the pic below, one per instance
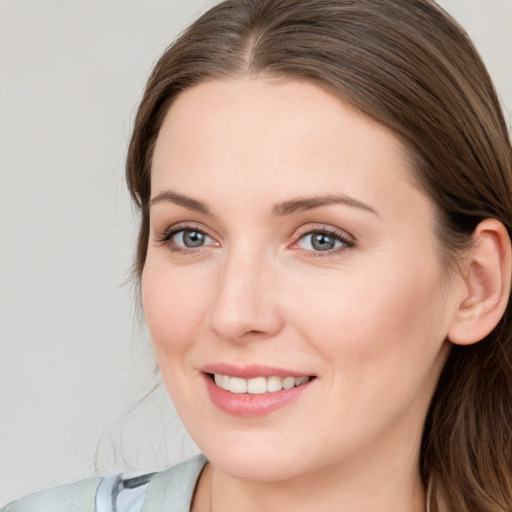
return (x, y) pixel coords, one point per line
(486, 271)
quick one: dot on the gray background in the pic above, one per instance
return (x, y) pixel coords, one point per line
(72, 358)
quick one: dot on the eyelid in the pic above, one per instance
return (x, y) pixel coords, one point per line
(166, 235)
(345, 238)
(340, 235)
(323, 228)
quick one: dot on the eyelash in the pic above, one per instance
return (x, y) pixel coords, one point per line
(166, 237)
(339, 236)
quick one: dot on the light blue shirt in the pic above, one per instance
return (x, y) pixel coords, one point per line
(168, 491)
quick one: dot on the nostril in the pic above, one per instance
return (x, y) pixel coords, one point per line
(254, 333)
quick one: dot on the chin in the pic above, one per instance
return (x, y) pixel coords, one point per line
(261, 456)
(255, 465)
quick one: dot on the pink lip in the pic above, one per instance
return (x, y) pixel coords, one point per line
(250, 371)
(248, 405)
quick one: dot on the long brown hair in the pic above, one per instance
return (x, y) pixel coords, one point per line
(408, 65)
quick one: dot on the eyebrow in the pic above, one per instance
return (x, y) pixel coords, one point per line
(308, 203)
(181, 200)
(284, 208)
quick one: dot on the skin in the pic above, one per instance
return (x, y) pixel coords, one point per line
(369, 318)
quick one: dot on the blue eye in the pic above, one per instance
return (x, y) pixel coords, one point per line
(190, 238)
(323, 241)
(180, 238)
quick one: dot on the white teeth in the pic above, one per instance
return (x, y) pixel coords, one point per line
(237, 385)
(225, 382)
(257, 385)
(288, 382)
(274, 384)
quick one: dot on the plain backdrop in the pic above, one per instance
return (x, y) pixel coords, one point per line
(73, 358)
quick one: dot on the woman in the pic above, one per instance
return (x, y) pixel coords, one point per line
(325, 262)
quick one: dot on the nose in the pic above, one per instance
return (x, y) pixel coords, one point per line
(245, 306)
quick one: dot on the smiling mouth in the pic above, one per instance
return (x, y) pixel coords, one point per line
(257, 385)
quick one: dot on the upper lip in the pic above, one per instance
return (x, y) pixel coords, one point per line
(251, 371)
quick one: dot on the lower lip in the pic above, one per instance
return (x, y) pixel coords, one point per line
(248, 405)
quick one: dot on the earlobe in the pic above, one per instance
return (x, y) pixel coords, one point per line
(487, 277)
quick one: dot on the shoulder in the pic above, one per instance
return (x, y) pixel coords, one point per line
(78, 497)
(171, 490)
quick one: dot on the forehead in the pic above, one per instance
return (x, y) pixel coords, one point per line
(275, 137)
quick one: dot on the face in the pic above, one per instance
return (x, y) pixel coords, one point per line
(291, 255)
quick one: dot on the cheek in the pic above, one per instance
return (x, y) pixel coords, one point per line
(375, 322)
(382, 347)
(172, 307)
